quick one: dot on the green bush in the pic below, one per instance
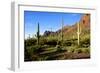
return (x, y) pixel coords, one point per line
(70, 42)
(51, 42)
(82, 50)
(59, 48)
(71, 50)
(34, 49)
(43, 41)
(79, 50)
(85, 42)
(32, 52)
(59, 42)
(67, 43)
(30, 42)
(86, 50)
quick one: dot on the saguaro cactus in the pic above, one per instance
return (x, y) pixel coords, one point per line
(78, 32)
(38, 33)
(28, 36)
(62, 30)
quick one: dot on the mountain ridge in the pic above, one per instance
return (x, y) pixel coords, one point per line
(84, 25)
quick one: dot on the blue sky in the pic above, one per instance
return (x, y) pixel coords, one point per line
(47, 21)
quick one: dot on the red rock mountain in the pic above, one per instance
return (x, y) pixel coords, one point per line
(85, 21)
(84, 25)
(70, 31)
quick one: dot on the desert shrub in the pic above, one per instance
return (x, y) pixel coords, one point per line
(35, 49)
(45, 46)
(79, 50)
(82, 50)
(86, 50)
(59, 48)
(67, 43)
(43, 41)
(74, 43)
(30, 42)
(51, 42)
(27, 55)
(32, 52)
(85, 41)
(59, 42)
(71, 50)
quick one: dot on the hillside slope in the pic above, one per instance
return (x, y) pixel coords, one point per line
(70, 32)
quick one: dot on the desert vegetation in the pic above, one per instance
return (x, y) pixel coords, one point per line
(60, 45)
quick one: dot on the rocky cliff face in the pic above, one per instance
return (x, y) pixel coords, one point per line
(85, 20)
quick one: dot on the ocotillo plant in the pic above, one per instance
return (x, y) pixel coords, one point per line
(38, 34)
